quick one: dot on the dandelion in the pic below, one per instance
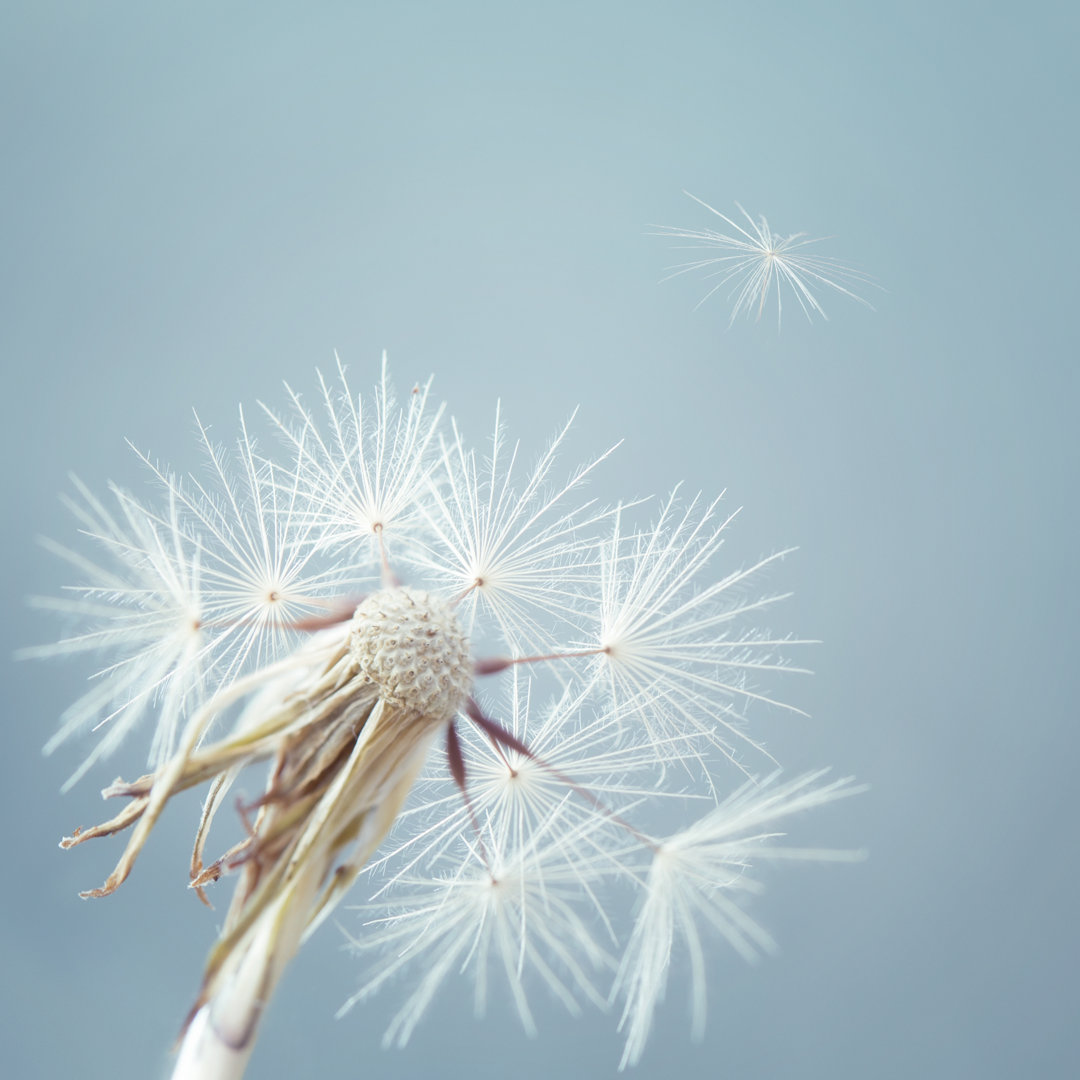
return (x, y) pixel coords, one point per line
(756, 261)
(476, 687)
(140, 602)
(693, 882)
(508, 551)
(516, 910)
(676, 653)
(362, 477)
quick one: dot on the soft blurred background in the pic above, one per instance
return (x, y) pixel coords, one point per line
(202, 200)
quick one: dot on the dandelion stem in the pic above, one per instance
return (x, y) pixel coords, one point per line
(205, 1055)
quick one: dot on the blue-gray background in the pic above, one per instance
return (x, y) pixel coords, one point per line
(199, 201)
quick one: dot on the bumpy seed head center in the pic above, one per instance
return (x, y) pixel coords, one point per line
(411, 646)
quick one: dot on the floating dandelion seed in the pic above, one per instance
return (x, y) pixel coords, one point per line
(759, 261)
(321, 615)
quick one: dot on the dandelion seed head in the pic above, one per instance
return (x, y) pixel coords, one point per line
(245, 603)
(409, 643)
